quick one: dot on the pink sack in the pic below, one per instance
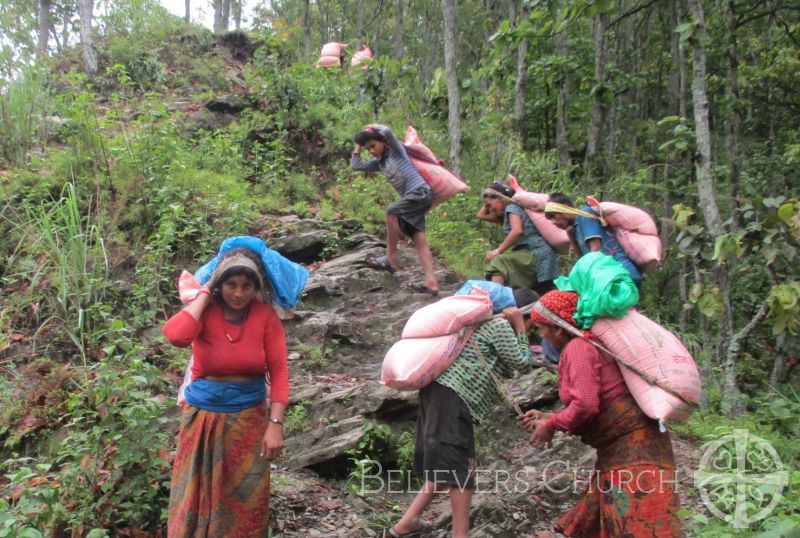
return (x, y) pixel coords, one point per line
(360, 57)
(635, 231)
(652, 349)
(643, 250)
(449, 315)
(188, 287)
(444, 184)
(627, 217)
(411, 364)
(332, 49)
(412, 142)
(328, 61)
(533, 203)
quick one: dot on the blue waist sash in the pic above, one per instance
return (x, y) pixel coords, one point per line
(225, 396)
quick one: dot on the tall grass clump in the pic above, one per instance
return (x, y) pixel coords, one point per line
(72, 254)
(23, 104)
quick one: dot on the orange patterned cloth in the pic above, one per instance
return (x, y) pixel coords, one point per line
(631, 491)
(220, 485)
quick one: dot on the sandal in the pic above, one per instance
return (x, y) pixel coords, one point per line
(420, 287)
(424, 527)
(381, 264)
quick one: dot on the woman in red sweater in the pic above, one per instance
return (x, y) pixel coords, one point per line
(228, 437)
(631, 491)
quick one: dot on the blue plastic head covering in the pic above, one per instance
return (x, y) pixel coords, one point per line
(287, 279)
(501, 296)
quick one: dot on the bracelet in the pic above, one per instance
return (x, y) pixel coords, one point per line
(203, 290)
(277, 421)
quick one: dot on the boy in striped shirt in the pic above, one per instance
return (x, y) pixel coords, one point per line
(406, 215)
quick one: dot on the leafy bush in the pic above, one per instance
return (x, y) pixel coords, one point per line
(36, 504)
(296, 417)
(115, 461)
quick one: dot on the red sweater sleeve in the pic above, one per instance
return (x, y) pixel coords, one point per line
(277, 366)
(579, 387)
(181, 329)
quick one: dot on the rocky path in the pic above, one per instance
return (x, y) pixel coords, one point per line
(350, 315)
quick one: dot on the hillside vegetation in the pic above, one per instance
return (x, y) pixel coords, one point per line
(113, 183)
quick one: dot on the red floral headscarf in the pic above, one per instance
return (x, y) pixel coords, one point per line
(561, 303)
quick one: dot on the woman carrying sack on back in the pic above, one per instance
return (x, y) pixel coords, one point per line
(523, 259)
(631, 491)
(449, 407)
(228, 436)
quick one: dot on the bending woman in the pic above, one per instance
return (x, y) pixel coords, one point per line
(220, 478)
(524, 259)
(631, 491)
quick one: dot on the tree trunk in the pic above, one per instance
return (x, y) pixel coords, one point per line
(779, 362)
(218, 8)
(44, 28)
(598, 102)
(635, 103)
(322, 5)
(360, 21)
(732, 400)
(307, 28)
(705, 182)
(705, 336)
(674, 99)
(66, 28)
(519, 83)
(226, 15)
(399, 30)
(683, 293)
(187, 16)
(453, 92)
(89, 55)
(735, 120)
(238, 7)
(562, 101)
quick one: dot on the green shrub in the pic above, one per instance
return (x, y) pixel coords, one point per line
(114, 462)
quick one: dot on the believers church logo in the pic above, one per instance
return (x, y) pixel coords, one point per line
(741, 478)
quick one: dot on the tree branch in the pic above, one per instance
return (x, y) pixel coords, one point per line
(790, 36)
(377, 14)
(733, 345)
(630, 12)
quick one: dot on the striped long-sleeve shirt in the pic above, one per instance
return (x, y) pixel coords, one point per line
(394, 163)
(505, 351)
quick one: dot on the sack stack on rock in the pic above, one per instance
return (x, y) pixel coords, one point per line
(331, 55)
(433, 337)
(533, 203)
